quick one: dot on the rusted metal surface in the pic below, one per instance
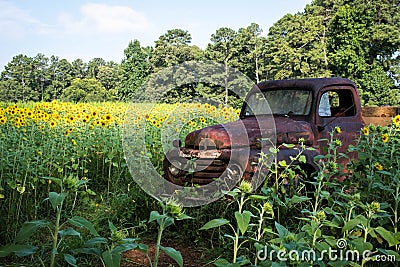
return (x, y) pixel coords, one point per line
(213, 146)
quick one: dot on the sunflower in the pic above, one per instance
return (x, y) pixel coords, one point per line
(3, 120)
(52, 124)
(108, 117)
(366, 130)
(385, 138)
(71, 119)
(396, 120)
(338, 142)
(378, 166)
(68, 131)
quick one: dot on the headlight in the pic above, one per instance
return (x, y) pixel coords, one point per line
(234, 172)
(175, 168)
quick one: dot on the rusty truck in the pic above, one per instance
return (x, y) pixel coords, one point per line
(307, 109)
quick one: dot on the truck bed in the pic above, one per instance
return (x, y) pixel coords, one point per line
(379, 115)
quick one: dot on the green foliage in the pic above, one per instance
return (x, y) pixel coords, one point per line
(172, 211)
(377, 88)
(85, 90)
(133, 69)
(352, 39)
(358, 215)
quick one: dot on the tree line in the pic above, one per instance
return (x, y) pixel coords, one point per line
(357, 39)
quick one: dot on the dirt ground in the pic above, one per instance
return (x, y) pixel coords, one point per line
(192, 257)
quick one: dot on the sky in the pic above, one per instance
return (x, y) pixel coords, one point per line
(73, 29)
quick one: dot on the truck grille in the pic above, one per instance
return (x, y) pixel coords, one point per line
(207, 170)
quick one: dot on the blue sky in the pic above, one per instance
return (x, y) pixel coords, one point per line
(103, 28)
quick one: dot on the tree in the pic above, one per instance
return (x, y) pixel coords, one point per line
(108, 76)
(93, 67)
(41, 75)
(376, 88)
(61, 75)
(296, 47)
(222, 49)
(10, 90)
(133, 69)
(85, 90)
(79, 68)
(249, 44)
(364, 39)
(21, 70)
(172, 49)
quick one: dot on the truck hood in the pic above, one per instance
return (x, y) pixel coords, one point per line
(245, 132)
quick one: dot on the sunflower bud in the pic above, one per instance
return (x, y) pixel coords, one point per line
(174, 209)
(245, 187)
(375, 206)
(267, 208)
(321, 215)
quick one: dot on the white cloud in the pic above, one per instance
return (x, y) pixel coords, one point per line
(16, 22)
(107, 19)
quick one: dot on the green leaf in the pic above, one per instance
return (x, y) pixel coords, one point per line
(56, 180)
(221, 263)
(359, 220)
(282, 163)
(19, 250)
(112, 227)
(69, 232)
(183, 216)
(387, 235)
(70, 259)
(243, 220)
(111, 259)
(273, 150)
(288, 145)
(75, 166)
(302, 159)
(56, 199)
(155, 215)
(258, 197)
(96, 241)
(282, 231)
(28, 229)
(214, 223)
(83, 223)
(89, 251)
(124, 247)
(174, 254)
(297, 199)
(361, 245)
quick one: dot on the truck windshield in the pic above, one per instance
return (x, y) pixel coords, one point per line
(283, 102)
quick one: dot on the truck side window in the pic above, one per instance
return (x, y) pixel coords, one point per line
(337, 103)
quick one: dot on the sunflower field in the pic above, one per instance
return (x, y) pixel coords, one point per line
(39, 141)
(63, 168)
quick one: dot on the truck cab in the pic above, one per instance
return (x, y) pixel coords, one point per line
(281, 111)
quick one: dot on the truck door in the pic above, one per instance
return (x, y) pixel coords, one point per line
(338, 106)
